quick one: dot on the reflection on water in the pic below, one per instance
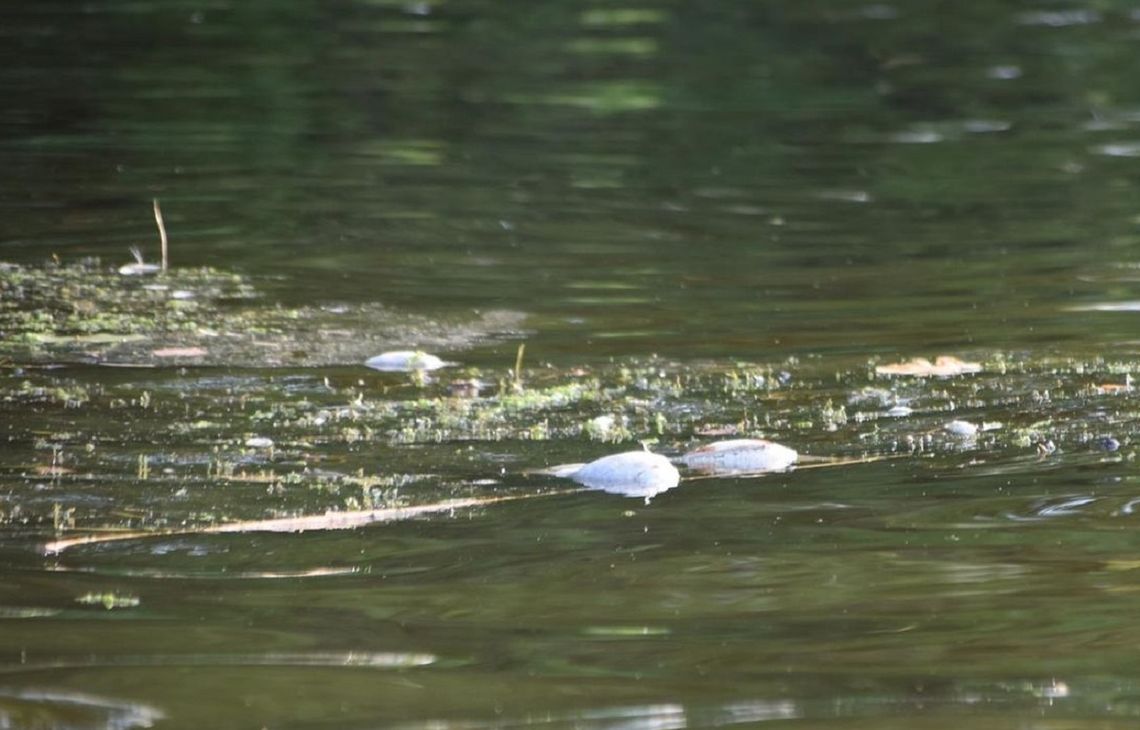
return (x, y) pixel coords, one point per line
(438, 157)
(54, 710)
(947, 704)
(352, 659)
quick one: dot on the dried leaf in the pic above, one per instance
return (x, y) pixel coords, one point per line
(181, 352)
(943, 366)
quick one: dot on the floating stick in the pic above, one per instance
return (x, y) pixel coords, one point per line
(814, 462)
(518, 364)
(328, 521)
(350, 520)
(161, 232)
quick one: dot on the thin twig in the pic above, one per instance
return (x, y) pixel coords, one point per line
(329, 521)
(161, 232)
(518, 364)
(815, 463)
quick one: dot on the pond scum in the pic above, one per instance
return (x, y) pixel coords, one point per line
(86, 312)
(171, 447)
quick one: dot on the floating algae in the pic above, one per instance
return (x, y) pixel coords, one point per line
(223, 448)
(84, 312)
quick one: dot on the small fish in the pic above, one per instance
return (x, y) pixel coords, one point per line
(405, 361)
(740, 456)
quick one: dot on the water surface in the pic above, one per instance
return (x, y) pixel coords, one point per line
(700, 219)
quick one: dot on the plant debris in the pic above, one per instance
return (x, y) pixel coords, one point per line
(944, 366)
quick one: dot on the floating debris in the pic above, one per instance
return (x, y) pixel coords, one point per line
(1107, 443)
(1111, 388)
(83, 312)
(630, 474)
(607, 428)
(180, 352)
(140, 267)
(739, 456)
(944, 366)
(259, 442)
(961, 428)
(346, 520)
(108, 600)
(466, 388)
(404, 361)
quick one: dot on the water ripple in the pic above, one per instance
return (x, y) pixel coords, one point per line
(357, 659)
(74, 710)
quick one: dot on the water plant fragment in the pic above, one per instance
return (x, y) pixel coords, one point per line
(108, 600)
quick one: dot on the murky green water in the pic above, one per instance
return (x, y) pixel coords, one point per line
(703, 221)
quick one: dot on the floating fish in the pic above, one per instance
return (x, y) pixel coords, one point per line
(404, 361)
(631, 474)
(961, 428)
(740, 456)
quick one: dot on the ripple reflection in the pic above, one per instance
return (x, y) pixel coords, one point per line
(73, 710)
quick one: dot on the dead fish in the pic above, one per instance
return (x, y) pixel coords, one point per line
(139, 267)
(740, 456)
(961, 428)
(404, 361)
(631, 474)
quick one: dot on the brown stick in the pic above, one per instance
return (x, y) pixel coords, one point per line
(518, 364)
(327, 521)
(161, 232)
